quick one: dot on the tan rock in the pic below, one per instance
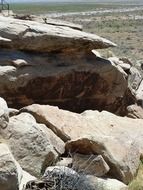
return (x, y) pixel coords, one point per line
(109, 132)
(19, 63)
(34, 146)
(90, 165)
(94, 183)
(135, 111)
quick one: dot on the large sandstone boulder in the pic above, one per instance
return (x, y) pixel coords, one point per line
(106, 131)
(34, 146)
(123, 161)
(10, 170)
(72, 83)
(56, 67)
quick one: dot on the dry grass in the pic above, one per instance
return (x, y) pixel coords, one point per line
(137, 183)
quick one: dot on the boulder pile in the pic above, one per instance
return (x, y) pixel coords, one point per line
(70, 119)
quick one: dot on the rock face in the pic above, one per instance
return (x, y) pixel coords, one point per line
(37, 146)
(10, 171)
(106, 131)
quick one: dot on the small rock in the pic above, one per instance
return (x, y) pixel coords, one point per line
(90, 164)
(19, 63)
(135, 111)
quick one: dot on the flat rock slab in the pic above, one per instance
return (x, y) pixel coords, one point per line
(39, 37)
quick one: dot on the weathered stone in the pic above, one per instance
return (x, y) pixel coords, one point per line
(90, 165)
(139, 94)
(10, 171)
(134, 79)
(4, 114)
(34, 36)
(66, 178)
(34, 146)
(94, 183)
(135, 111)
(107, 129)
(19, 63)
(123, 161)
(43, 81)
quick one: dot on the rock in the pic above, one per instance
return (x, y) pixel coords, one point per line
(10, 171)
(4, 114)
(43, 82)
(110, 132)
(26, 177)
(135, 111)
(12, 112)
(56, 178)
(19, 63)
(67, 162)
(34, 36)
(94, 183)
(134, 79)
(66, 178)
(37, 146)
(90, 165)
(42, 55)
(139, 94)
(125, 66)
(123, 161)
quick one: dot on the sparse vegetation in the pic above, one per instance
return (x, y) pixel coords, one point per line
(137, 183)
